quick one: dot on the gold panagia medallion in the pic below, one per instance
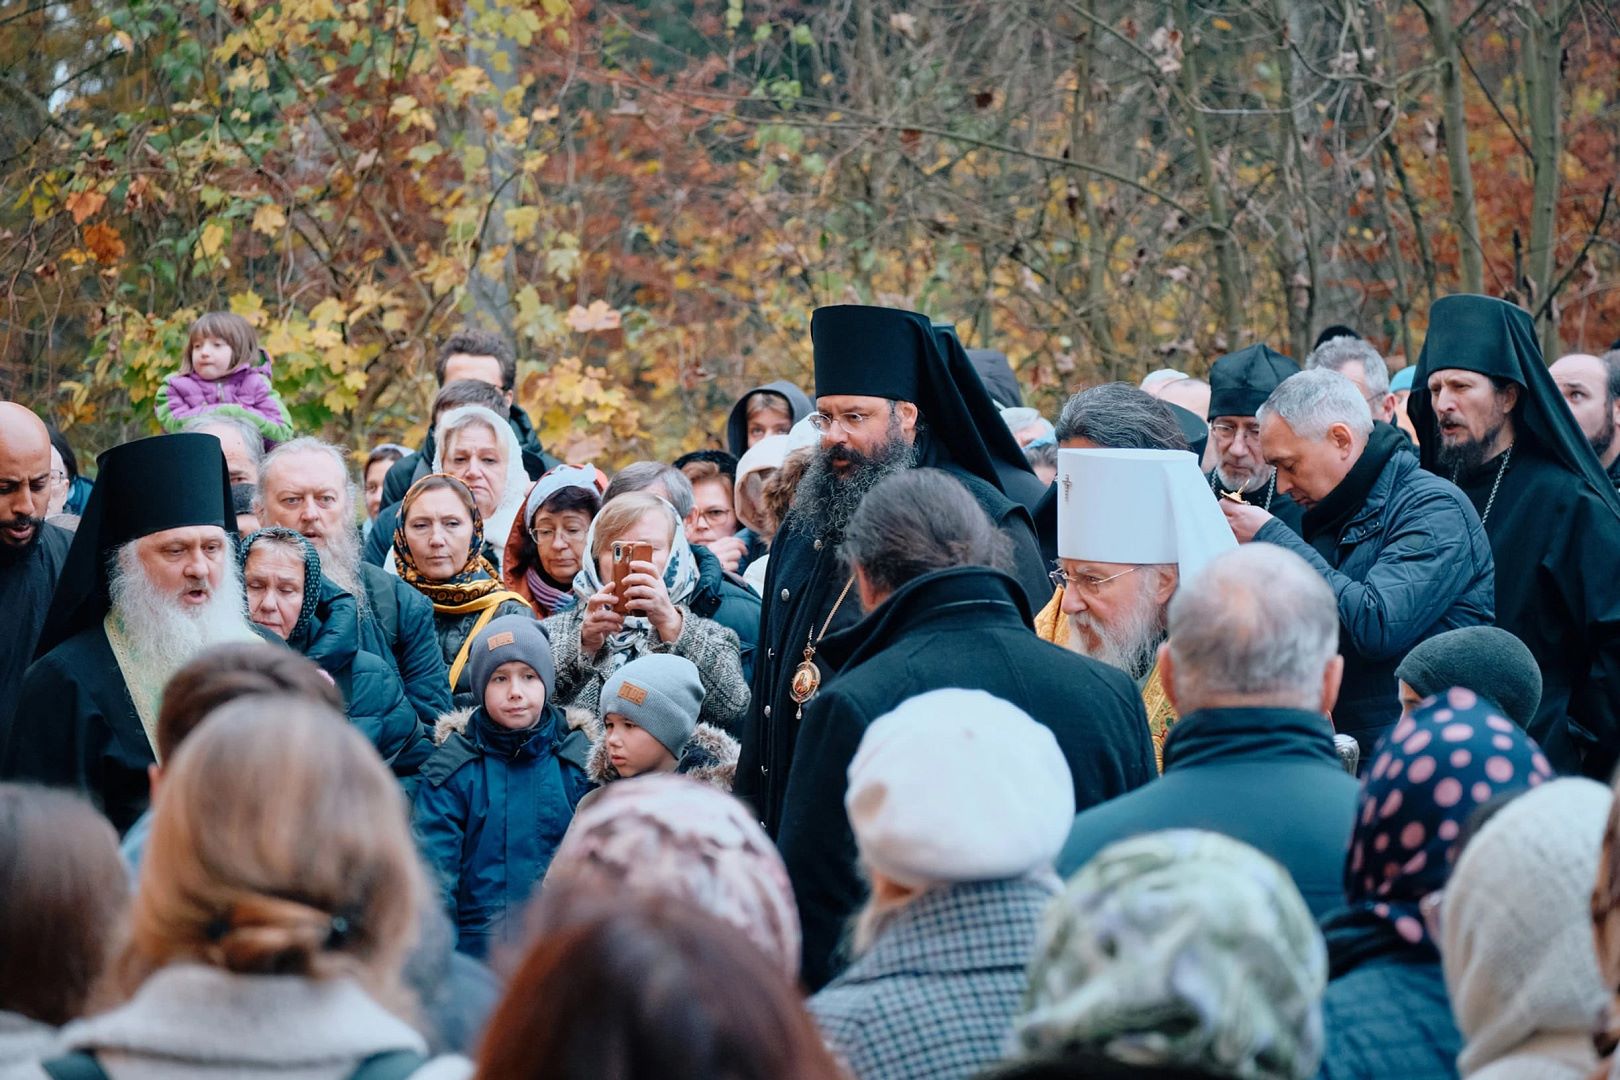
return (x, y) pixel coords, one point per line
(806, 680)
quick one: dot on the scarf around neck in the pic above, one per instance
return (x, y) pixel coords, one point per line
(680, 578)
(474, 586)
(1324, 522)
(547, 596)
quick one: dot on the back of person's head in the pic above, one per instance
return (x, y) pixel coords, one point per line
(279, 846)
(63, 895)
(688, 843)
(214, 422)
(651, 991)
(777, 494)
(224, 673)
(1256, 627)
(1515, 926)
(1184, 949)
(916, 521)
(1486, 659)
(1336, 330)
(462, 393)
(478, 343)
(641, 475)
(1118, 416)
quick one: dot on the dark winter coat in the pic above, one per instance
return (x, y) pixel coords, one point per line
(965, 628)
(412, 467)
(725, 599)
(488, 825)
(802, 581)
(710, 755)
(372, 692)
(398, 626)
(26, 584)
(1386, 1012)
(737, 423)
(1267, 777)
(1411, 562)
(452, 632)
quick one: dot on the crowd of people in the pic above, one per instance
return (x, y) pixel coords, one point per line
(1254, 725)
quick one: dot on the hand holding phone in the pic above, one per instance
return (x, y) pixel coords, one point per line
(626, 552)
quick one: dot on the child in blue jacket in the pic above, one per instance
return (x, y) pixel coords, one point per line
(498, 794)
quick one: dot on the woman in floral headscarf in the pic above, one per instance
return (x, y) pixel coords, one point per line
(438, 550)
(1386, 1009)
(1180, 953)
(591, 640)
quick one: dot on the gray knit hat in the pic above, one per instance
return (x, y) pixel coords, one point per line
(511, 637)
(1485, 659)
(660, 693)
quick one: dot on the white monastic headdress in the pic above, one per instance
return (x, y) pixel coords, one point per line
(1138, 507)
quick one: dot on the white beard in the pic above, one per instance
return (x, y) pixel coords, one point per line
(1132, 644)
(164, 636)
(340, 563)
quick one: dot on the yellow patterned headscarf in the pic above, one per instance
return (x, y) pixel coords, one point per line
(473, 587)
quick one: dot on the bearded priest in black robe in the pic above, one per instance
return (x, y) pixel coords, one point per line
(1491, 420)
(149, 582)
(892, 392)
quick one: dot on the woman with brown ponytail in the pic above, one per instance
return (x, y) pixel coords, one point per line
(278, 898)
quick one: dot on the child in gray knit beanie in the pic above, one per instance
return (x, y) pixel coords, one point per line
(649, 711)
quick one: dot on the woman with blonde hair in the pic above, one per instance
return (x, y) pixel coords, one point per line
(277, 901)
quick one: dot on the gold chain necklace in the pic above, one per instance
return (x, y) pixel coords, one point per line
(807, 677)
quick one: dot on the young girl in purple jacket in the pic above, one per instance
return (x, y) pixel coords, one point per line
(218, 374)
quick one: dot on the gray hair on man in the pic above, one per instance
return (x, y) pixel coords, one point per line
(340, 550)
(309, 444)
(1257, 627)
(1313, 401)
(1335, 354)
(641, 475)
(252, 441)
(1118, 416)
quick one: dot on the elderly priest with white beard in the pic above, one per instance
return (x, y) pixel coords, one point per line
(149, 582)
(1132, 525)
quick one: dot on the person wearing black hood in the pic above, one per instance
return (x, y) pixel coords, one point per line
(771, 409)
(1490, 419)
(150, 580)
(1239, 384)
(893, 393)
(482, 357)
(32, 551)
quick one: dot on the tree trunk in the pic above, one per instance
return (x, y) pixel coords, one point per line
(1541, 55)
(1464, 211)
(1228, 267)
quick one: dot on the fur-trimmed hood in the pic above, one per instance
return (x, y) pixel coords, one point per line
(710, 755)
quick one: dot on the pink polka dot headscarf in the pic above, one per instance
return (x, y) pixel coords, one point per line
(1428, 775)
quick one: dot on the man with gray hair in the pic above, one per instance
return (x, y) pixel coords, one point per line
(1251, 664)
(243, 446)
(1359, 362)
(304, 486)
(1403, 549)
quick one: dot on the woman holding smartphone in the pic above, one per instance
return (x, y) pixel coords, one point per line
(634, 606)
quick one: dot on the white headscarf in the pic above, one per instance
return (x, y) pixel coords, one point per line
(680, 578)
(497, 524)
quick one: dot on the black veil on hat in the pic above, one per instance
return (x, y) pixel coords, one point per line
(1497, 339)
(889, 353)
(142, 487)
(1240, 382)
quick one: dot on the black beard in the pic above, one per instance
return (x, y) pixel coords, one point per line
(1605, 438)
(10, 553)
(826, 499)
(1464, 457)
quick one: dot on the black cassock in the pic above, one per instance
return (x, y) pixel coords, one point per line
(1556, 543)
(26, 585)
(76, 726)
(803, 580)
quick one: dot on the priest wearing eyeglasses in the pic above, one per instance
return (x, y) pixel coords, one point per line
(1239, 384)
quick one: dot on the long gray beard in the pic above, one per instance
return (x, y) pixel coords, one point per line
(1132, 646)
(340, 564)
(825, 501)
(164, 636)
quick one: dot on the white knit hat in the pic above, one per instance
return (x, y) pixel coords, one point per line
(1516, 927)
(957, 785)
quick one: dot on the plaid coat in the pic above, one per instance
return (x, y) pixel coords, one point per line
(936, 993)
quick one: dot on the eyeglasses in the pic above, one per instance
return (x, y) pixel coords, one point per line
(846, 422)
(546, 535)
(1226, 431)
(716, 515)
(1090, 584)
